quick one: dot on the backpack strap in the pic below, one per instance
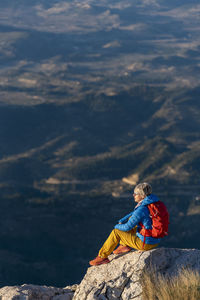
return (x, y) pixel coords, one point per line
(143, 242)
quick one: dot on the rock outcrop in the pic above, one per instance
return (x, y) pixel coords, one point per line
(35, 292)
(118, 280)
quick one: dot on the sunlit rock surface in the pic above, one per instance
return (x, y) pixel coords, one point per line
(120, 279)
(35, 292)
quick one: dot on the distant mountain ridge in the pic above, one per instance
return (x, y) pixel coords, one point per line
(135, 133)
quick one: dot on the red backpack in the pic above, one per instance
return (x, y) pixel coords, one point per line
(160, 221)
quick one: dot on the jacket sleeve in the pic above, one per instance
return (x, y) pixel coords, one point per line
(124, 219)
(136, 217)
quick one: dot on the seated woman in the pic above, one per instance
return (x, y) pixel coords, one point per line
(127, 231)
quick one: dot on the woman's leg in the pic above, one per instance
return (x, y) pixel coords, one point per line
(126, 238)
(116, 237)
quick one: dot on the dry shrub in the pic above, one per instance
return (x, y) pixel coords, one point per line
(184, 286)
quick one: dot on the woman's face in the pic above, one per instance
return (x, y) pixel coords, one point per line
(137, 197)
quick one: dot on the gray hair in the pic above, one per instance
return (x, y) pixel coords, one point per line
(143, 189)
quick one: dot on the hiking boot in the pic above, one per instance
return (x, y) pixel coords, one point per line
(99, 261)
(122, 249)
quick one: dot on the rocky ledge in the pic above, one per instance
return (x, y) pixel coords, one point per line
(35, 292)
(118, 280)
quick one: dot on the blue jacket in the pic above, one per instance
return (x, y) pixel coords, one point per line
(140, 214)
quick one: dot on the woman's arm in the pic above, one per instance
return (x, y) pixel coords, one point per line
(124, 219)
(136, 217)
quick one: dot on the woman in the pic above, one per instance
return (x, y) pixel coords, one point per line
(127, 231)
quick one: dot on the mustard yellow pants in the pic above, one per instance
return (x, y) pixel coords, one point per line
(125, 238)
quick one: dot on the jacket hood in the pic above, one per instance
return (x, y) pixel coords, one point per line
(149, 199)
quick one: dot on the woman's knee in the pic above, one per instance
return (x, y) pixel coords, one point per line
(116, 231)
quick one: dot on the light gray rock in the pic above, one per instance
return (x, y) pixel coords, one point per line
(120, 279)
(35, 292)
